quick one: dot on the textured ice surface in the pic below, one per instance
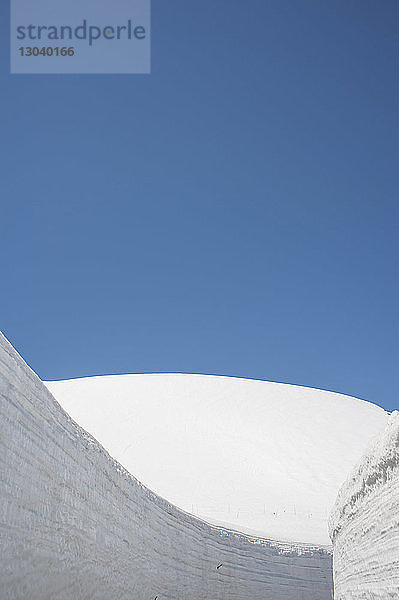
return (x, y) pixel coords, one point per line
(364, 523)
(265, 458)
(74, 524)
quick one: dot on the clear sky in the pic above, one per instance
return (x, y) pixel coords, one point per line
(235, 212)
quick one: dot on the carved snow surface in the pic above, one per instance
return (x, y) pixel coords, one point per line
(364, 524)
(263, 458)
(74, 524)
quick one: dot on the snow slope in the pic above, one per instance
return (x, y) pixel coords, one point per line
(74, 524)
(263, 458)
(364, 523)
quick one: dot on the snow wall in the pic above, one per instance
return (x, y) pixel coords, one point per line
(364, 523)
(75, 524)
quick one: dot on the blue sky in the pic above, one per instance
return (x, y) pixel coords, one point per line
(235, 212)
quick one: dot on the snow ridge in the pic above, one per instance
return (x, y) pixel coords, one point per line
(263, 458)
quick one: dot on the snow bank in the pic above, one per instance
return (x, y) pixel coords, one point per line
(364, 524)
(75, 524)
(265, 458)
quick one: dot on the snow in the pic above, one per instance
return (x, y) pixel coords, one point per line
(266, 459)
(75, 524)
(364, 523)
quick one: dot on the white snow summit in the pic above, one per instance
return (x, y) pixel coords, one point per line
(266, 459)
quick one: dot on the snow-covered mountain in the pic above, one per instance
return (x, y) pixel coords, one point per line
(263, 458)
(76, 524)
